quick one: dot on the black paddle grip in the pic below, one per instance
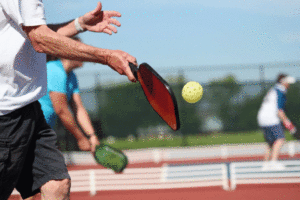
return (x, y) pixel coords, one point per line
(134, 70)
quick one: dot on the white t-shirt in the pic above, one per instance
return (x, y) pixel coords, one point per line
(272, 103)
(23, 73)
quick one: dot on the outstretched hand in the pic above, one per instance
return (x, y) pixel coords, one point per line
(84, 144)
(100, 21)
(94, 142)
(119, 61)
(289, 125)
(103, 21)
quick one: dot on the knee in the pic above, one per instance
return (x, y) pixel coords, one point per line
(280, 140)
(65, 185)
(57, 187)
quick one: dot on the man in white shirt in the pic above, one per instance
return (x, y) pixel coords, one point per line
(29, 158)
(270, 116)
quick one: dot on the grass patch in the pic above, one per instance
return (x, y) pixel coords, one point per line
(195, 140)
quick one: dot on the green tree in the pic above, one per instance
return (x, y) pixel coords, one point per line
(293, 104)
(126, 109)
(246, 114)
(222, 95)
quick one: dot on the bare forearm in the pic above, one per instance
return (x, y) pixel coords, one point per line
(282, 115)
(44, 40)
(85, 121)
(67, 29)
(69, 122)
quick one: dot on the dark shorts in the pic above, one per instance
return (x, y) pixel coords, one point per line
(273, 133)
(29, 156)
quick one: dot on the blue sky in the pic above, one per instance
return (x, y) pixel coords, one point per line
(189, 33)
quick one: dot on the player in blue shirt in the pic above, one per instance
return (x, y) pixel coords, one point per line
(61, 82)
(270, 116)
(63, 93)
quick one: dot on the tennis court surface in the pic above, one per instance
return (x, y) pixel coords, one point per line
(245, 192)
(233, 177)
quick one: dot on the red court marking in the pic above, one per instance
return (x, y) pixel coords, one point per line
(242, 192)
(186, 162)
(245, 192)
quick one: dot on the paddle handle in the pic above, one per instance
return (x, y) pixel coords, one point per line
(134, 70)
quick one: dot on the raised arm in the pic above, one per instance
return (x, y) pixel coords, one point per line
(44, 40)
(95, 21)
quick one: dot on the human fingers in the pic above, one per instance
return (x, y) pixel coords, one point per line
(131, 59)
(129, 73)
(84, 144)
(114, 21)
(111, 28)
(98, 9)
(94, 142)
(93, 147)
(112, 13)
(109, 32)
(127, 70)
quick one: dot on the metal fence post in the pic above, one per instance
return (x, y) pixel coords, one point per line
(225, 176)
(232, 177)
(291, 148)
(92, 183)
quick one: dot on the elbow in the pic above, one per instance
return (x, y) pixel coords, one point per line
(38, 49)
(37, 36)
(37, 43)
(60, 111)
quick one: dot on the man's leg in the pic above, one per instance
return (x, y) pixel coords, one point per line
(30, 198)
(16, 136)
(276, 149)
(269, 140)
(35, 197)
(45, 167)
(268, 153)
(56, 189)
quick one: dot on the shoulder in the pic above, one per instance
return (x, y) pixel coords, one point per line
(33, 13)
(28, 13)
(56, 73)
(272, 92)
(55, 67)
(280, 89)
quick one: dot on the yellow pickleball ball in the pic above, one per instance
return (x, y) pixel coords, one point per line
(192, 92)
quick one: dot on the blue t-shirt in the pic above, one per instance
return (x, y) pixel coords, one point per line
(281, 96)
(57, 81)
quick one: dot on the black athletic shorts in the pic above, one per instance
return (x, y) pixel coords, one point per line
(29, 156)
(273, 133)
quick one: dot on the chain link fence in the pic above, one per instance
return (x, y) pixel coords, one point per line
(232, 96)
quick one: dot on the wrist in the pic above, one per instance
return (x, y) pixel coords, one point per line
(288, 124)
(79, 136)
(287, 121)
(103, 55)
(91, 135)
(78, 25)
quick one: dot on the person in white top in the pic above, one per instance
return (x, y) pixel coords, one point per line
(272, 113)
(29, 158)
